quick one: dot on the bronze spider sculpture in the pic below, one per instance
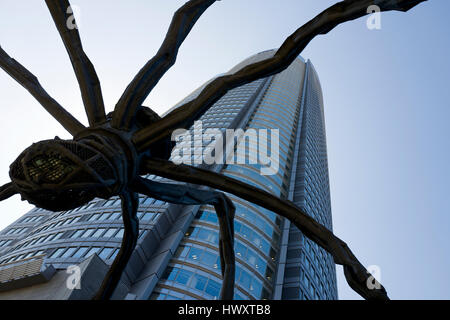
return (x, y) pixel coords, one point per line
(109, 157)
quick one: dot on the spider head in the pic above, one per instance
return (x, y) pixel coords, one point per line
(62, 174)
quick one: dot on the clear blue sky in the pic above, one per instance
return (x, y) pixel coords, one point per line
(386, 98)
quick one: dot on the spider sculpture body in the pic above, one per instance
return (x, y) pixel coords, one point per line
(64, 174)
(109, 157)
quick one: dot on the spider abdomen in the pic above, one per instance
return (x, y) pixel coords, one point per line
(63, 174)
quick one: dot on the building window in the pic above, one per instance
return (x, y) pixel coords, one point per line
(98, 233)
(69, 252)
(80, 252)
(92, 251)
(213, 288)
(109, 233)
(57, 253)
(119, 234)
(105, 253)
(87, 233)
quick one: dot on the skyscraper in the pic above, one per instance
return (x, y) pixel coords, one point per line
(177, 253)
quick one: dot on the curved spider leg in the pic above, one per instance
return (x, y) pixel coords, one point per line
(27, 80)
(185, 115)
(355, 273)
(7, 191)
(147, 78)
(130, 205)
(91, 91)
(181, 194)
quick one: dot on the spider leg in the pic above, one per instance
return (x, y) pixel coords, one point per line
(26, 79)
(130, 205)
(357, 276)
(147, 78)
(181, 194)
(7, 191)
(185, 115)
(87, 78)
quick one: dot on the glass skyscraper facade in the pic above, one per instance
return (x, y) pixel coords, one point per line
(177, 253)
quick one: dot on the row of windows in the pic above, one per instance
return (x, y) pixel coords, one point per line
(267, 108)
(95, 203)
(214, 114)
(105, 253)
(57, 224)
(284, 105)
(311, 281)
(255, 219)
(316, 261)
(211, 287)
(310, 286)
(265, 124)
(247, 233)
(284, 147)
(194, 280)
(78, 234)
(284, 127)
(22, 256)
(162, 296)
(200, 255)
(268, 188)
(215, 121)
(241, 250)
(319, 267)
(142, 216)
(107, 216)
(98, 233)
(249, 172)
(288, 96)
(4, 243)
(32, 219)
(254, 153)
(16, 231)
(297, 293)
(43, 239)
(113, 202)
(282, 162)
(285, 100)
(211, 259)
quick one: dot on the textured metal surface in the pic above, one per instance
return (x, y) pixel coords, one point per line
(22, 270)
